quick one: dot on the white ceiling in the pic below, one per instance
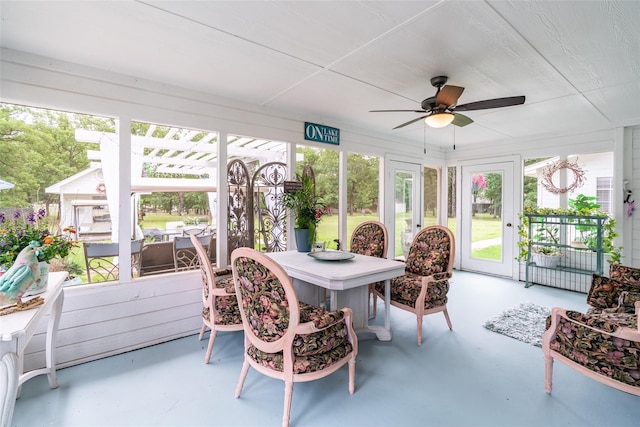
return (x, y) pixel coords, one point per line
(577, 62)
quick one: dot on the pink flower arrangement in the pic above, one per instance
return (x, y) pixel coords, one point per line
(478, 183)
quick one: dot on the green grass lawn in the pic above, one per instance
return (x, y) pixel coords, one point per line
(485, 227)
(490, 253)
(158, 219)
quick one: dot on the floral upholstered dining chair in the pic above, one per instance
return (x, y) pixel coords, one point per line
(284, 338)
(220, 310)
(370, 238)
(423, 288)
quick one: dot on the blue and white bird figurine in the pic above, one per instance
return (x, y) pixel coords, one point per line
(23, 273)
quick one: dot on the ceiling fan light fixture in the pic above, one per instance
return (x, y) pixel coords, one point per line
(439, 120)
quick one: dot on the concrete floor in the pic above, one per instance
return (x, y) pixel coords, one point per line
(465, 377)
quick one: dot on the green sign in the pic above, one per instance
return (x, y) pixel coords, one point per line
(321, 133)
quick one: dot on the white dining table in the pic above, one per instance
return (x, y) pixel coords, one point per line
(347, 282)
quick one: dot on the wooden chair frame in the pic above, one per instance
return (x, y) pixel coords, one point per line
(285, 343)
(385, 248)
(210, 279)
(628, 334)
(418, 309)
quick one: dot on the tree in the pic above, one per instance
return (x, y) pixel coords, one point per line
(530, 190)
(38, 148)
(362, 177)
(493, 192)
(14, 150)
(430, 190)
(451, 192)
(325, 168)
(362, 182)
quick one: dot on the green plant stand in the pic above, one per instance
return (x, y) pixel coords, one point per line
(577, 239)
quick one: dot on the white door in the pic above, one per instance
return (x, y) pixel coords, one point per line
(487, 223)
(403, 201)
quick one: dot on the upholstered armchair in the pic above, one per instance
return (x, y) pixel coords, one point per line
(423, 288)
(617, 290)
(604, 343)
(220, 310)
(370, 238)
(284, 338)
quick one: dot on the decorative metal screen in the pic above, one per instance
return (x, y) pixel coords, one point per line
(268, 186)
(240, 225)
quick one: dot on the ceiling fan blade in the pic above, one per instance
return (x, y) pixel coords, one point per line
(461, 120)
(397, 111)
(491, 103)
(409, 122)
(449, 95)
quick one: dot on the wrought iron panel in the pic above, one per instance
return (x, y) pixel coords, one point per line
(240, 222)
(268, 187)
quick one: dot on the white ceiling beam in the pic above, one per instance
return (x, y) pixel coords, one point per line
(181, 162)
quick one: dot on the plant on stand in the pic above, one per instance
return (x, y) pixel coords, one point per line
(580, 206)
(307, 209)
(546, 256)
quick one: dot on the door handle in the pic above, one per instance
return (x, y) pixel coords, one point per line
(508, 224)
(418, 225)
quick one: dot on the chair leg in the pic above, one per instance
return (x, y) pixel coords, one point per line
(548, 373)
(202, 331)
(212, 338)
(243, 376)
(446, 316)
(375, 305)
(370, 296)
(419, 330)
(288, 394)
(352, 375)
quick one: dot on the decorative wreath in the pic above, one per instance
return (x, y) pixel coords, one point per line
(101, 188)
(549, 171)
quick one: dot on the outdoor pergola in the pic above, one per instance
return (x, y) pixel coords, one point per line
(180, 161)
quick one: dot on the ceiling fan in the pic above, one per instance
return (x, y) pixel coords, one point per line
(441, 109)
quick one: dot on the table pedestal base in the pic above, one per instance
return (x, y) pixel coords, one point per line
(357, 299)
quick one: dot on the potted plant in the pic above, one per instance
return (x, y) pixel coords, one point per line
(546, 256)
(586, 206)
(581, 206)
(307, 210)
(18, 232)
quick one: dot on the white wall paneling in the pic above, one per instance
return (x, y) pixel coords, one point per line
(106, 319)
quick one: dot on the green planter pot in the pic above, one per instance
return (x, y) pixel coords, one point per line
(302, 239)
